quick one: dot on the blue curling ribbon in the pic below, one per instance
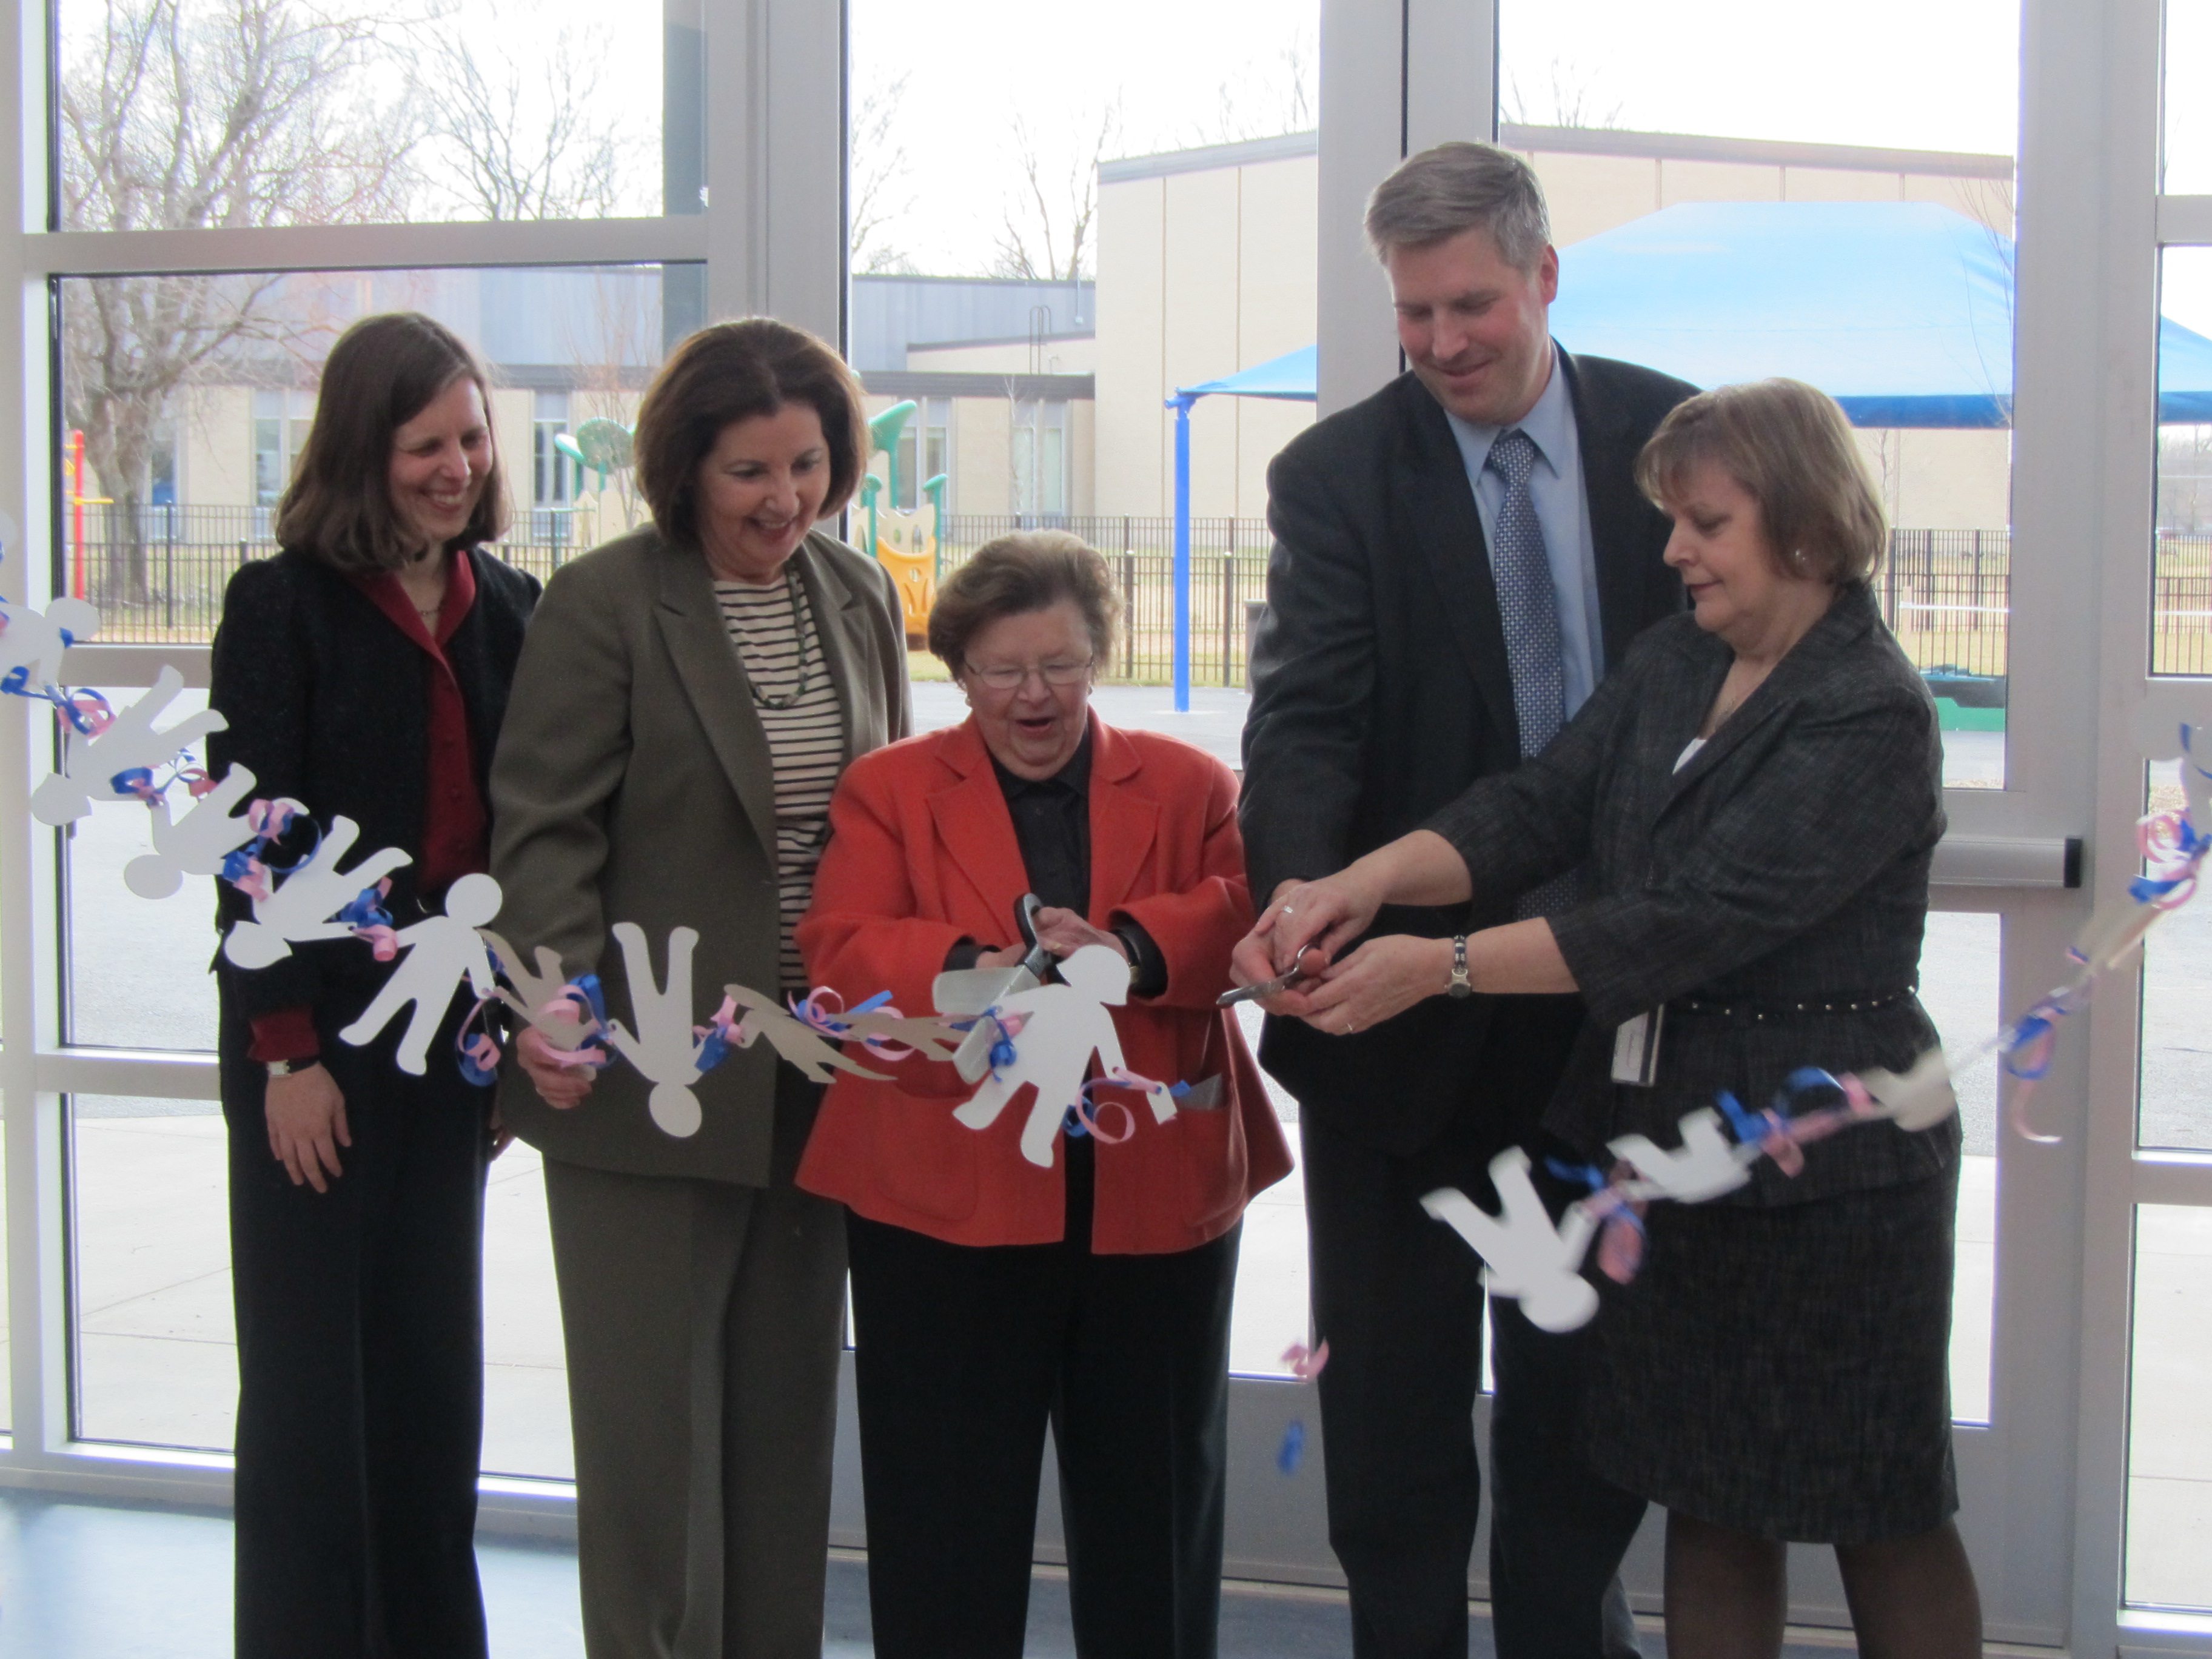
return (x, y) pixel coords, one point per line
(1073, 1126)
(1293, 1450)
(137, 780)
(714, 1049)
(474, 1074)
(589, 985)
(870, 1006)
(1584, 1175)
(2145, 890)
(366, 911)
(2032, 1029)
(235, 865)
(1747, 1129)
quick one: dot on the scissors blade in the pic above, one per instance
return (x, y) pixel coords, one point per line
(1266, 988)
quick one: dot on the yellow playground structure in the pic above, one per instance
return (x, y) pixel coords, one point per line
(901, 544)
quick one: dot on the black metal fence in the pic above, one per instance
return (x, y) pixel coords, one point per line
(159, 576)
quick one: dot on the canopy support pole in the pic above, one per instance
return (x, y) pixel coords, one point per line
(1181, 404)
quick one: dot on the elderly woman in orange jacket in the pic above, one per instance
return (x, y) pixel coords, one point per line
(992, 1293)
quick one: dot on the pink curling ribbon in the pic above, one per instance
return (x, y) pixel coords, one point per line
(381, 938)
(1306, 1363)
(815, 1010)
(1090, 1115)
(480, 1053)
(572, 1005)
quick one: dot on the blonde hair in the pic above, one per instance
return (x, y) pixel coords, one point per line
(1789, 447)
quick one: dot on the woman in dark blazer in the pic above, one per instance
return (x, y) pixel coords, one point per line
(1754, 797)
(363, 671)
(1023, 1270)
(688, 697)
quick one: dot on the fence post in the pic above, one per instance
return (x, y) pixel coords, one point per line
(1128, 606)
(1228, 603)
(169, 568)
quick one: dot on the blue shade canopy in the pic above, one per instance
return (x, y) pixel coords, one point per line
(1900, 310)
(1291, 377)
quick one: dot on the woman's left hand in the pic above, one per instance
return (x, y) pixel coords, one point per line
(1383, 977)
(1064, 933)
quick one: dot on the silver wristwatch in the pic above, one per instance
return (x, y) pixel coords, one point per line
(286, 1067)
(1461, 986)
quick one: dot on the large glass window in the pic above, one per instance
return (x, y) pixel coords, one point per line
(1039, 271)
(1853, 229)
(174, 114)
(230, 364)
(2169, 1515)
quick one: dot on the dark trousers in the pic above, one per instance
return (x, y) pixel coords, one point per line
(963, 1354)
(361, 1363)
(1399, 1298)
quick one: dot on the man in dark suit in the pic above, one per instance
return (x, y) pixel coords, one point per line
(1457, 560)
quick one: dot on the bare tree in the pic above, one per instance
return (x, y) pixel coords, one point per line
(1045, 227)
(1266, 97)
(1562, 99)
(515, 125)
(880, 194)
(182, 114)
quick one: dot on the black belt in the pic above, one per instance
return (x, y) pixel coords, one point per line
(1846, 1004)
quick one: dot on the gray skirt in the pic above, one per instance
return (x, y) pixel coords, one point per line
(1785, 1370)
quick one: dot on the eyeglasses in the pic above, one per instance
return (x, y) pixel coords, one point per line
(1011, 678)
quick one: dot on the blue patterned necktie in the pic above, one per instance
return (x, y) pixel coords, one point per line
(1529, 609)
(1526, 603)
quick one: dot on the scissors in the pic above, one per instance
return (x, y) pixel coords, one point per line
(1266, 987)
(973, 1057)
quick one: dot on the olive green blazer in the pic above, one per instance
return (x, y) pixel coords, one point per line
(632, 783)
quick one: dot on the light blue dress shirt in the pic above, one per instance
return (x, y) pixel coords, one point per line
(1555, 487)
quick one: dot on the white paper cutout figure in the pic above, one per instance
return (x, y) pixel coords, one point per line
(1921, 1099)
(32, 640)
(439, 950)
(534, 993)
(1706, 1166)
(1523, 1255)
(665, 1047)
(131, 742)
(305, 900)
(792, 1038)
(198, 843)
(1063, 1025)
(2164, 737)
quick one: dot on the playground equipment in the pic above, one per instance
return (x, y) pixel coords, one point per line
(900, 543)
(599, 446)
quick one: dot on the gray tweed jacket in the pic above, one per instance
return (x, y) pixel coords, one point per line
(1781, 873)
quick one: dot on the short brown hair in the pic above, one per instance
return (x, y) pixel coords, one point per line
(1789, 447)
(731, 371)
(383, 371)
(1029, 570)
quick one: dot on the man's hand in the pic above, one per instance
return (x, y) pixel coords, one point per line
(559, 1086)
(307, 1119)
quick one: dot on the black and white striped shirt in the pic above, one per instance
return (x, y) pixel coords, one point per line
(776, 640)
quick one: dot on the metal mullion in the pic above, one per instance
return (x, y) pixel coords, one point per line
(364, 247)
(2184, 221)
(2166, 1176)
(2098, 66)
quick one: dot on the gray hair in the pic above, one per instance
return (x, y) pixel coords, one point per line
(1461, 186)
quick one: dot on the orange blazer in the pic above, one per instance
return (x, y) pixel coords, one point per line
(922, 854)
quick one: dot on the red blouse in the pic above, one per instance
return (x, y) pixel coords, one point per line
(456, 828)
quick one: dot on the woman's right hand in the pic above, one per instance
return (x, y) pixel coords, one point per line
(559, 1086)
(307, 1119)
(1322, 916)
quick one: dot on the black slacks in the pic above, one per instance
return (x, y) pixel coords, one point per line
(360, 1362)
(963, 1354)
(1399, 1297)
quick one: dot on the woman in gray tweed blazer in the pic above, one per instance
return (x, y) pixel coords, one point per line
(1753, 797)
